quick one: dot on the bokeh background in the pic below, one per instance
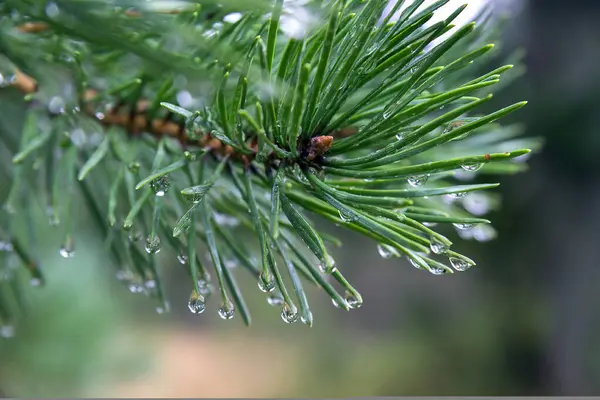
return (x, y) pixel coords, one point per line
(525, 321)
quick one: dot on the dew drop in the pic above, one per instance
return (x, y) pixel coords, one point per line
(414, 263)
(384, 251)
(266, 283)
(289, 314)
(134, 167)
(196, 304)
(299, 174)
(161, 185)
(123, 275)
(430, 224)
(150, 284)
(152, 244)
(472, 167)
(346, 217)
(135, 287)
(457, 195)
(233, 17)
(327, 266)
(437, 271)
(6, 247)
(335, 303)
(399, 136)
(477, 204)
(185, 99)
(205, 287)
(56, 105)
(307, 319)
(417, 180)
(35, 282)
(275, 299)
(160, 310)
(369, 179)
(183, 259)
(437, 246)
(463, 227)
(354, 300)
(227, 310)
(387, 113)
(7, 331)
(52, 10)
(6, 80)
(67, 250)
(460, 264)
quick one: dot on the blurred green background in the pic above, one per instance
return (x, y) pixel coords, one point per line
(526, 321)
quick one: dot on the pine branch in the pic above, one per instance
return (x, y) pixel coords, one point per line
(206, 115)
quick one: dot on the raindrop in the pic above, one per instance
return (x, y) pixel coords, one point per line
(307, 319)
(414, 263)
(384, 251)
(437, 270)
(327, 266)
(335, 303)
(289, 314)
(233, 17)
(463, 226)
(484, 233)
(275, 299)
(185, 99)
(399, 136)
(123, 275)
(417, 180)
(472, 167)
(150, 284)
(182, 259)
(160, 310)
(6, 80)
(6, 247)
(52, 10)
(189, 156)
(460, 264)
(369, 179)
(134, 167)
(354, 300)
(477, 204)
(437, 246)
(457, 195)
(161, 185)
(430, 224)
(227, 310)
(299, 174)
(463, 175)
(347, 217)
(56, 105)
(205, 287)
(387, 113)
(152, 244)
(266, 283)
(7, 331)
(35, 282)
(78, 137)
(196, 304)
(67, 250)
(135, 287)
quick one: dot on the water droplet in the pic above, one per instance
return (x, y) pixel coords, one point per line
(327, 266)
(437, 246)
(335, 303)
(225, 220)
(430, 224)
(189, 156)
(6, 80)
(347, 217)
(299, 174)
(161, 310)
(231, 264)
(67, 250)
(52, 10)
(275, 299)
(185, 99)
(35, 282)
(150, 284)
(463, 226)
(182, 259)
(457, 195)
(135, 236)
(134, 167)
(354, 300)
(205, 287)
(369, 179)
(477, 204)
(387, 113)
(123, 275)
(227, 310)
(266, 283)
(384, 251)
(463, 175)
(56, 105)
(152, 244)
(399, 136)
(289, 314)
(233, 17)
(196, 303)
(437, 270)
(414, 263)
(307, 319)
(6, 246)
(484, 233)
(136, 287)
(472, 167)
(7, 331)
(161, 185)
(417, 180)
(460, 264)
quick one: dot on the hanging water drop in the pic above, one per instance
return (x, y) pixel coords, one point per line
(135, 287)
(437, 246)
(414, 263)
(152, 244)
(437, 270)
(67, 250)
(384, 251)
(354, 300)
(227, 310)
(477, 204)
(460, 264)
(463, 226)
(327, 266)
(472, 167)
(35, 282)
(150, 284)
(430, 224)
(289, 314)
(399, 136)
(299, 174)
(134, 167)
(7, 331)
(275, 299)
(56, 105)
(387, 113)
(266, 283)
(417, 180)
(205, 287)
(161, 185)
(52, 10)
(182, 259)
(335, 303)
(7, 80)
(307, 319)
(457, 195)
(196, 303)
